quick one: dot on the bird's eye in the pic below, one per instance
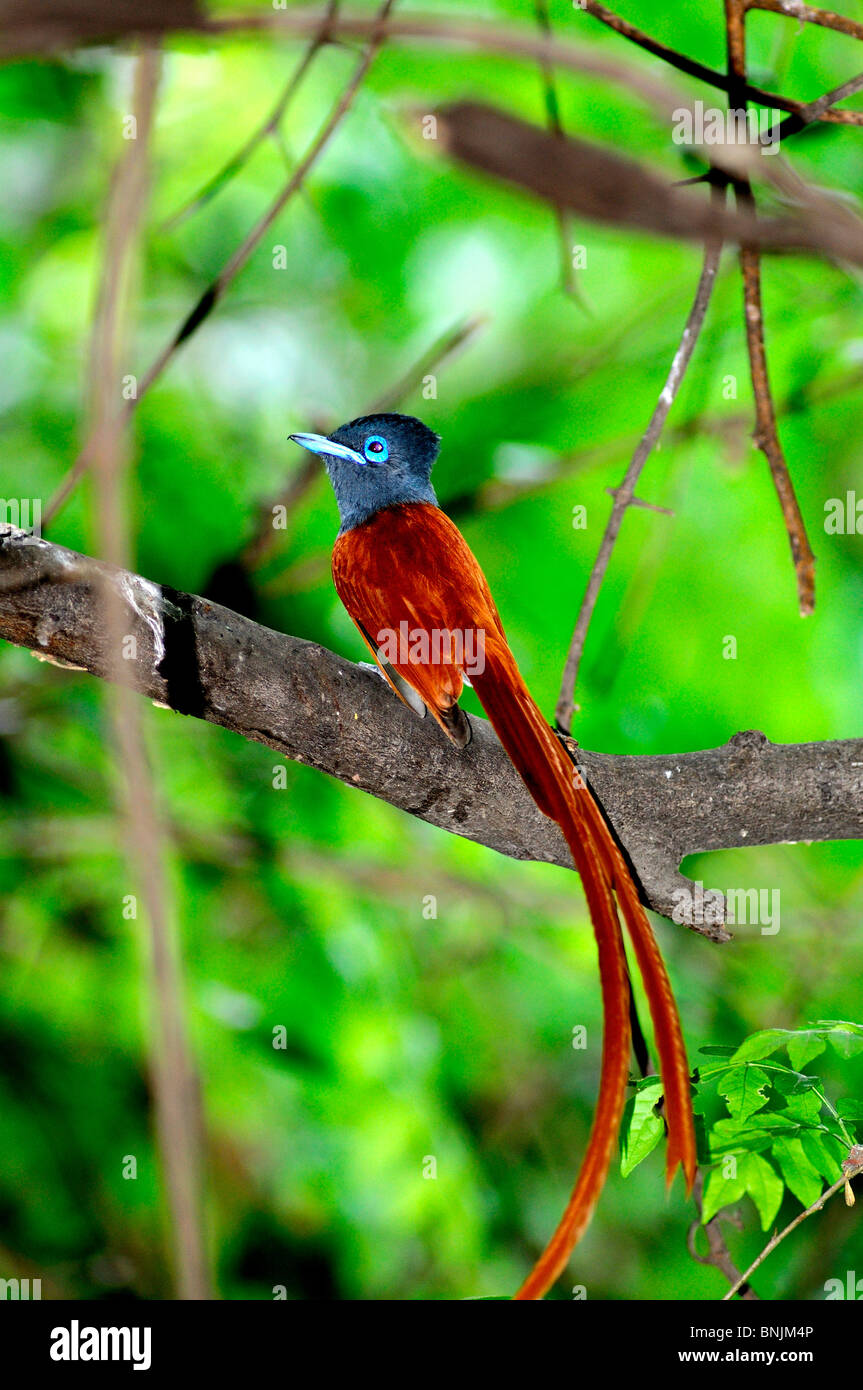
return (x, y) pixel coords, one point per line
(375, 449)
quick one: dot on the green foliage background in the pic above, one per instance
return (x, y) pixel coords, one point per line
(302, 907)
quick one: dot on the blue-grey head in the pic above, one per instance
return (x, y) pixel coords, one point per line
(374, 462)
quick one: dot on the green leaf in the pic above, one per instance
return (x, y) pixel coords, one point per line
(765, 1119)
(804, 1106)
(729, 1136)
(745, 1090)
(803, 1047)
(790, 1083)
(760, 1045)
(844, 1037)
(837, 1145)
(850, 1108)
(763, 1185)
(716, 1050)
(720, 1192)
(801, 1176)
(642, 1127)
(817, 1150)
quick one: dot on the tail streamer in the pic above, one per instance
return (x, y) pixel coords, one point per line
(561, 794)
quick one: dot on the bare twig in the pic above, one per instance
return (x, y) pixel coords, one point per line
(813, 111)
(640, 502)
(440, 352)
(57, 31)
(175, 1086)
(766, 436)
(807, 14)
(718, 1253)
(624, 495)
(808, 115)
(269, 128)
(493, 38)
(850, 1172)
(568, 277)
(711, 75)
(232, 267)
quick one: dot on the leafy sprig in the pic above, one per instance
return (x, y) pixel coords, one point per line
(765, 1125)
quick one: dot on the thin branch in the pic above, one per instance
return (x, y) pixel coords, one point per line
(481, 37)
(176, 1091)
(625, 493)
(318, 26)
(269, 128)
(766, 436)
(692, 68)
(320, 709)
(493, 38)
(232, 267)
(851, 1172)
(807, 14)
(807, 116)
(718, 1253)
(640, 502)
(440, 352)
(562, 218)
(814, 111)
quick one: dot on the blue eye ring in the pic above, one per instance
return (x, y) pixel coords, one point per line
(375, 449)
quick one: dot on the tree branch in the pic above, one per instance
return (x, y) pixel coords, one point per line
(624, 495)
(808, 14)
(216, 290)
(852, 1170)
(317, 708)
(766, 435)
(175, 1083)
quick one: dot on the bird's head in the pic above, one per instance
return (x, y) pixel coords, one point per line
(376, 461)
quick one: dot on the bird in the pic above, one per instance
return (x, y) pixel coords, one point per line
(421, 603)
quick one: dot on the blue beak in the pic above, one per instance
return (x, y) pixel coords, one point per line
(319, 444)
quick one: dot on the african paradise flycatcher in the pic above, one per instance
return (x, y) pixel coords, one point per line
(419, 598)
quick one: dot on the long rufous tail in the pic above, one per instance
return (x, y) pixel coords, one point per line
(560, 793)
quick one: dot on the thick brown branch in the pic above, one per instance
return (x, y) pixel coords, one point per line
(318, 708)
